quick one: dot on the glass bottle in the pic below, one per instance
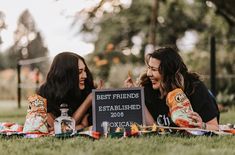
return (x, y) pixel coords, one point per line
(64, 123)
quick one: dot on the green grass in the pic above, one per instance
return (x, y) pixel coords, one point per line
(149, 145)
(143, 145)
(10, 113)
(228, 117)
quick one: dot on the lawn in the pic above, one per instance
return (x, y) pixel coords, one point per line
(155, 144)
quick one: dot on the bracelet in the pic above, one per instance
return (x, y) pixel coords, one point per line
(204, 125)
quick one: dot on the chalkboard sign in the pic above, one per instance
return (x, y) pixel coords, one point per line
(118, 107)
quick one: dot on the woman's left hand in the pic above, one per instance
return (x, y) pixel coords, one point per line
(197, 120)
(100, 85)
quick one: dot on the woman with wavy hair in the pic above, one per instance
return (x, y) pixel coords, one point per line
(68, 81)
(166, 72)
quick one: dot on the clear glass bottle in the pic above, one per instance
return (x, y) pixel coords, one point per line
(64, 123)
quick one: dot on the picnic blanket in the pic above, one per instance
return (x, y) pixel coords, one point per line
(10, 129)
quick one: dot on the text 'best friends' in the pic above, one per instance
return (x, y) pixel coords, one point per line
(117, 96)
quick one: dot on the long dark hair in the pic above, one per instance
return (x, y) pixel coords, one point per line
(174, 73)
(62, 83)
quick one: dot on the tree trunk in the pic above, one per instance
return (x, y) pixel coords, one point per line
(153, 24)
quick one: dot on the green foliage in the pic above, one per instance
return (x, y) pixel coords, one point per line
(119, 73)
(3, 61)
(199, 61)
(103, 62)
(178, 17)
(191, 60)
(119, 27)
(13, 54)
(225, 98)
(2, 24)
(174, 18)
(225, 9)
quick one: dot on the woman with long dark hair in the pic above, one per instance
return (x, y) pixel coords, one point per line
(69, 81)
(166, 72)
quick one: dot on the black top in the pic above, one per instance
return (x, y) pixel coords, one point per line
(201, 100)
(73, 104)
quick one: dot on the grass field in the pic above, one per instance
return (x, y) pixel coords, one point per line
(155, 144)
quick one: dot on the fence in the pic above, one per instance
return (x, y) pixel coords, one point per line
(21, 85)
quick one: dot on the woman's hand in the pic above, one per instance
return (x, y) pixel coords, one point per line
(50, 121)
(82, 109)
(84, 123)
(129, 82)
(210, 125)
(196, 119)
(100, 85)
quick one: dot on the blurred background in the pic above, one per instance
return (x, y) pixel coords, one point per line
(114, 36)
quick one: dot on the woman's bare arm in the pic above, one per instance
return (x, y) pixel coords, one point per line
(212, 124)
(50, 121)
(84, 123)
(148, 117)
(82, 109)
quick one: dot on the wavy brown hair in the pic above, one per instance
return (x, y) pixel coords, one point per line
(174, 73)
(62, 83)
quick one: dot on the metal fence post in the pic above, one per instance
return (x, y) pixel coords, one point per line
(213, 65)
(18, 85)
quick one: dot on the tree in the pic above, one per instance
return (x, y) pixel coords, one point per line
(226, 9)
(2, 26)
(28, 41)
(123, 25)
(129, 27)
